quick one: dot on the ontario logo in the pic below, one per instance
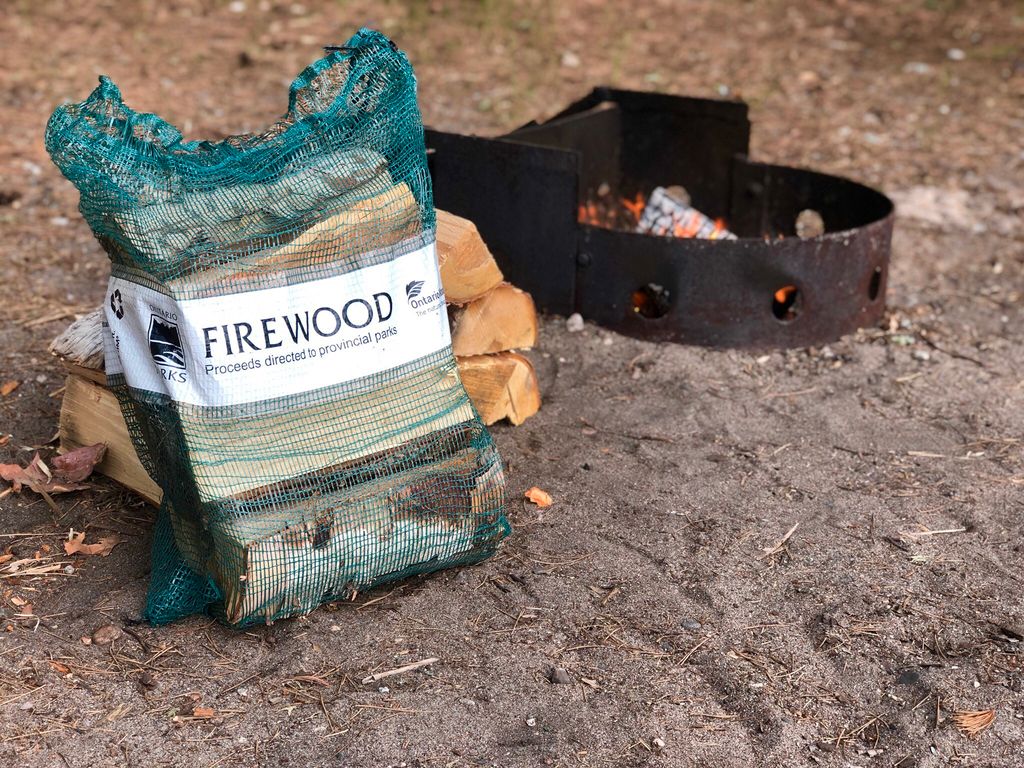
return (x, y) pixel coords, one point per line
(165, 343)
(417, 300)
(413, 290)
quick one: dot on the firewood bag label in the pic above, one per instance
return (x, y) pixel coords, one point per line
(276, 342)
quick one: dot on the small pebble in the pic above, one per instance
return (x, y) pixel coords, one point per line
(531, 721)
(106, 634)
(659, 744)
(690, 625)
(917, 68)
(809, 79)
(923, 355)
(26, 706)
(559, 676)
(955, 54)
(69, 569)
(384, 689)
(574, 323)
(570, 60)
(809, 224)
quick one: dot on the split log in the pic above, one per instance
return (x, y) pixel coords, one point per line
(186, 221)
(504, 385)
(468, 269)
(362, 532)
(502, 319)
(90, 414)
(364, 226)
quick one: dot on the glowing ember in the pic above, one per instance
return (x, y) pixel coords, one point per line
(590, 214)
(636, 206)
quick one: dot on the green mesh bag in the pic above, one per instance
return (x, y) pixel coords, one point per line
(277, 337)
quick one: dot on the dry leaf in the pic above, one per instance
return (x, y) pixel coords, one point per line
(8, 386)
(75, 545)
(78, 464)
(63, 473)
(539, 497)
(204, 712)
(972, 723)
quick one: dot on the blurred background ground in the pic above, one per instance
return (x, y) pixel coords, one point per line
(648, 582)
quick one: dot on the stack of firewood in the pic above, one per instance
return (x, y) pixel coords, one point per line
(489, 319)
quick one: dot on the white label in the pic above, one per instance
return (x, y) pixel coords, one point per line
(247, 347)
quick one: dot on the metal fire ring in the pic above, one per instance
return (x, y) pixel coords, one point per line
(769, 288)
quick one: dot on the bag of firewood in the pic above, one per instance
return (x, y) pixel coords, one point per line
(276, 335)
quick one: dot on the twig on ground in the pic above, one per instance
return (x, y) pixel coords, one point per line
(778, 546)
(928, 532)
(692, 651)
(399, 670)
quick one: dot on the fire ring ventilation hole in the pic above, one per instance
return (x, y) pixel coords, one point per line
(786, 303)
(875, 285)
(651, 301)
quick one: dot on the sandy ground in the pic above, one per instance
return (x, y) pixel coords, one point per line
(686, 638)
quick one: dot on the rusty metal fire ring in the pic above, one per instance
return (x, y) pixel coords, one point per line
(769, 288)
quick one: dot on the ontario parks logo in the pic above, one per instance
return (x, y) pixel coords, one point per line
(417, 300)
(165, 343)
(116, 304)
(413, 289)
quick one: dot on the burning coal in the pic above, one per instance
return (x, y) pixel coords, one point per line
(666, 213)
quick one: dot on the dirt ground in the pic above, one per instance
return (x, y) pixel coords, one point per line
(687, 639)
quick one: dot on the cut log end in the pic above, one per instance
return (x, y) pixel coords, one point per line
(504, 318)
(502, 386)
